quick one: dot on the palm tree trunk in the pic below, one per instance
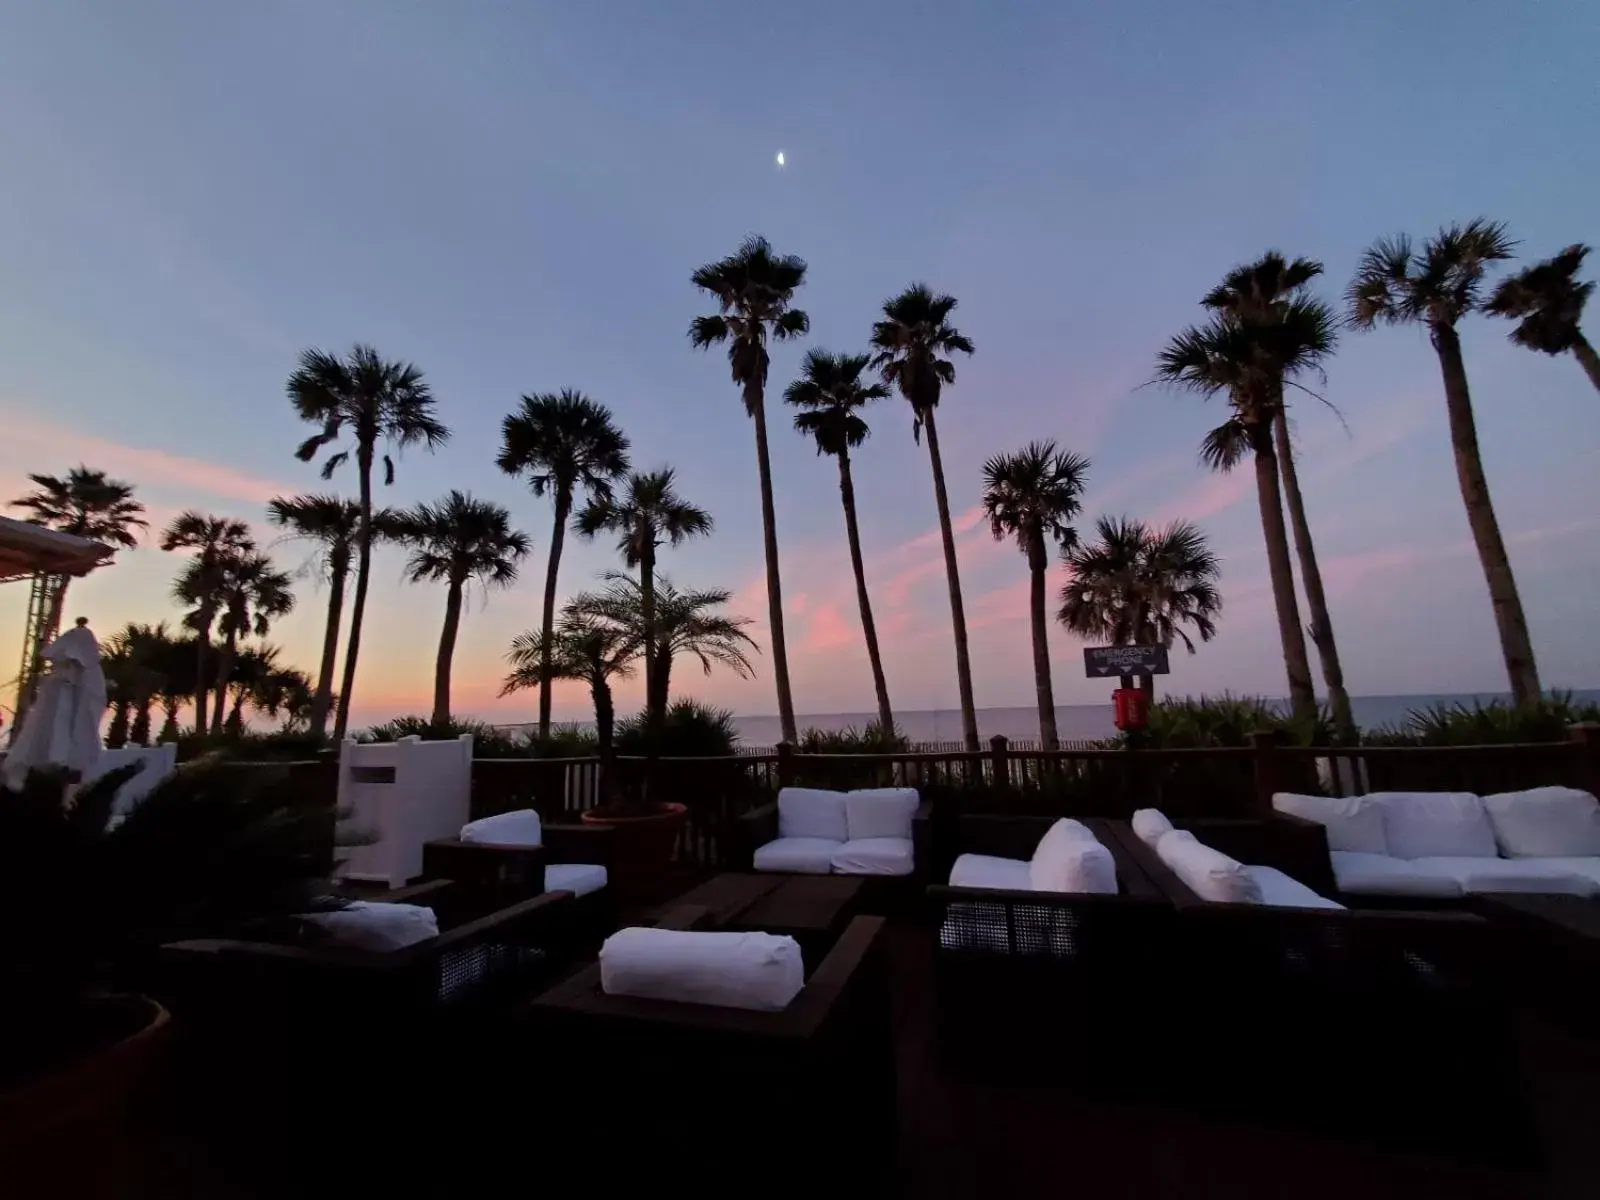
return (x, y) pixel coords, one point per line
(1302, 696)
(869, 629)
(330, 647)
(1515, 644)
(235, 722)
(958, 615)
(202, 647)
(169, 719)
(117, 731)
(653, 713)
(663, 694)
(1037, 563)
(447, 653)
(558, 537)
(605, 715)
(358, 607)
(1584, 353)
(755, 404)
(58, 604)
(1311, 577)
(230, 645)
(139, 731)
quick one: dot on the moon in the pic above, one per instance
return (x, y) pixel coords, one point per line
(780, 159)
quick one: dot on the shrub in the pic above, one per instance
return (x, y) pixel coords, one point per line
(874, 739)
(1495, 723)
(487, 740)
(689, 730)
(1227, 720)
(572, 740)
(277, 746)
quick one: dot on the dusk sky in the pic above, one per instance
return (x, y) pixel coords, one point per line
(513, 195)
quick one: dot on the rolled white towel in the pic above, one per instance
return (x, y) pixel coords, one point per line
(730, 970)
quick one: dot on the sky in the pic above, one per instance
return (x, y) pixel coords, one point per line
(513, 196)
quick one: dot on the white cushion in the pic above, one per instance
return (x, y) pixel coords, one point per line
(519, 828)
(880, 812)
(730, 970)
(1209, 873)
(1585, 868)
(1354, 823)
(1149, 824)
(1436, 825)
(986, 871)
(578, 878)
(803, 855)
(1380, 875)
(874, 856)
(1069, 858)
(377, 925)
(1476, 874)
(811, 813)
(1285, 891)
(1545, 822)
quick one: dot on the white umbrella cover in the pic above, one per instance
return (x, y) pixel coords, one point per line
(63, 725)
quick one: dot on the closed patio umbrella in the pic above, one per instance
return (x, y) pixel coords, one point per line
(62, 727)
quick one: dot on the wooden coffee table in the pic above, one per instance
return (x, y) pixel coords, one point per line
(812, 909)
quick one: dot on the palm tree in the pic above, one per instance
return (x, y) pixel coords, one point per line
(561, 441)
(754, 290)
(591, 651)
(176, 666)
(1547, 301)
(216, 542)
(830, 393)
(252, 678)
(333, 523)
(133, 660)
(647, 512)
(254, 593)
(914, 342)
(1260, 292)
(1032, 495)
(86, 504)
(1436, 287)
(685, 625)
(1248, 360)
(454, 542)
(1136, 585)
(379, 401)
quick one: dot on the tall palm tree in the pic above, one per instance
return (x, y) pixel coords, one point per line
(646, 512)
(1260, 292)
(562, 441)
(378, 402)
(1248, 360)
(754, 290)
(254, 594)
(914, 344)
(1032, 495)
(1136, 585)
(1547, 301)
(456, 541)
(216, 542)
(1436, 287)
(830, 394)
(334, 524)
(593, 652)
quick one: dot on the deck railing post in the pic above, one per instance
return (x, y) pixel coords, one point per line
(1000, 754)
(1264, 744)
(1586, 744)
(785, 764)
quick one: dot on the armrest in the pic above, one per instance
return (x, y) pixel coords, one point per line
(580, 844)
(848, 958)
(518, 867)
(925, 857)
(426, 893)
(755, 829)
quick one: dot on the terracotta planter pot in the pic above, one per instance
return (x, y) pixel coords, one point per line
(641, 853)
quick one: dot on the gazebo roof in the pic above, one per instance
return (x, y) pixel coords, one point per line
(27, 549)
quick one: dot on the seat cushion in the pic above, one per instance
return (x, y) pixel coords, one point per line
(1585, 868)
(1506, 875)
(1284, 891)
(377, 925)
(1436, 825)
(1353, 823)
(729, 970)
(986, 871)
(519, 828)
(578, 878)
(802, 855)
(874, 856)
(1547, 822)
(880, 812)
(1149, 824)
(1208, 873)
(1381, 875)
(811, 813)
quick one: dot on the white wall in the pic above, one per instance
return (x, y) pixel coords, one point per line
(402, 794)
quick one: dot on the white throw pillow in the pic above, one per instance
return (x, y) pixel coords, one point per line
(519, 828)
(731, 970)
(880, 812)
(1149, 824)
(1546, 822)
(377, 925)
(812, 813)
(1070, 859)
(1436, 825)
(1208, 873)
(1354, 823)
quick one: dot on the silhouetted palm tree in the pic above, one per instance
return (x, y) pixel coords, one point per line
(830, 394)
(216, 541)
(133, 660)
(1436, 287)
(1547, 302)
(914, 343)
(454, 542)
(1140, 586)
(254, 593)
(754, 289)
(1031, 496)
(1260, 292)
(561, 441)
(646, 512)
(593, 652)
(375, 401)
